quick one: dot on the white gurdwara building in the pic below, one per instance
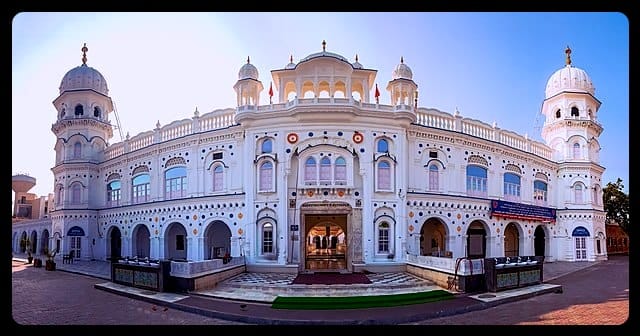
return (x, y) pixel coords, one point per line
(325, 177)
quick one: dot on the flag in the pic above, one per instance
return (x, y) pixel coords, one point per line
(377, 94)
(270, 91)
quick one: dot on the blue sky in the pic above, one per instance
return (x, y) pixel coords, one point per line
(161, 66)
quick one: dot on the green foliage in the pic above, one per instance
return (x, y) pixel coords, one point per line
(616, 204)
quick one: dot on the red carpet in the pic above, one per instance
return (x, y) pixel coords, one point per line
(331, 279)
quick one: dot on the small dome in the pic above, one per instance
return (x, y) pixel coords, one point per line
(84, 77)
(402, 71)
(569, 78)
(356, 64)
(291, 65)
(248, 71)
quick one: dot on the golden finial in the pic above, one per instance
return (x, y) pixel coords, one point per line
(324, 45)
(248, 60)
(356, 57)
(84, 53)
(401, 59)
(290, 58)
(568, 52)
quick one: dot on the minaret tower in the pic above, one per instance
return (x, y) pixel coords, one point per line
(248, 87)
(82, 129)
(571, 129)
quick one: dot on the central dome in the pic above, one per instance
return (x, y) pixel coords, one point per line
(84, 77)
(569, 78)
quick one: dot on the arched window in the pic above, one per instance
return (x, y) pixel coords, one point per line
(59, 195)
(340, 174)
(267, 145)
(596, 192)
(310, 172)
(96, 112)
(76, 193)
(325, 171)
(433, 177)
(476, 180)
(383, 146)
(575, 112)
(77, 150)
(267, 238)
(576, 151)
(384, 175)
(218, 175)
(511, 186)
(141, 188)
(79, 110)
(558, 114)
(578, 193)
(540, 192)
(175, 183)
(266, 176)
(63, 112)
(383, 237)
(113, 193)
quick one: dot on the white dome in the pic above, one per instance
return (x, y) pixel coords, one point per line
(402, 71)
(84, 77)
(248, 71)
(569, 78)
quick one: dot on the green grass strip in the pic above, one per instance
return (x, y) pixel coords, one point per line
(358, 302)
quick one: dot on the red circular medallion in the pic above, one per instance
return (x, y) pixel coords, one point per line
(292, 138)
(357, 137)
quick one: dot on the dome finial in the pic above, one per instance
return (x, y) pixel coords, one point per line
(324, 45)
(248, 61)
(401, 59)
(568, 52)
(84, 54)
(290, 58)
(356, 57)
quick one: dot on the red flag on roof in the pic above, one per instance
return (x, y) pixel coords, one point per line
(271, 89)
(377, 94)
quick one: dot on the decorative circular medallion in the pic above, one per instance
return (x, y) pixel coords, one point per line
(410, 214)
(459, 216)
(195, 217)
(195, 231)
(410, 227)
(240, 231)
(498, 230)
(156, 219)
(156, 232)
(529, 231)
(240, 215)
(340, 193)
(310, 193)
(292, 138)
(357, 137)
(458, 228)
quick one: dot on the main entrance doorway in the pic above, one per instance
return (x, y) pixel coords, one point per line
(325, 242)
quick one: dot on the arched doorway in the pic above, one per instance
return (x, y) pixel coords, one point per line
(326, 242)
(175, 242)
(511, 241)
(23, 242)
(432, 238)
(115, 243)
(476, 240)
(217, 240)
(34, 242)
(141, 243)
(539, 241)
(44, 242)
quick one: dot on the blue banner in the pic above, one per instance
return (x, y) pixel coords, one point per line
(580, 231)
(522, 211)
(75, 231)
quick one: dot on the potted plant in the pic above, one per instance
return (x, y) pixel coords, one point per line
(50, 264)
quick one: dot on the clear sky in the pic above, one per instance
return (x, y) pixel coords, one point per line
(161, 66)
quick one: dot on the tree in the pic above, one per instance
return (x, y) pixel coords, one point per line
(616, 204)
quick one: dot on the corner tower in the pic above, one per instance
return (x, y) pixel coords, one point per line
(571, 129)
